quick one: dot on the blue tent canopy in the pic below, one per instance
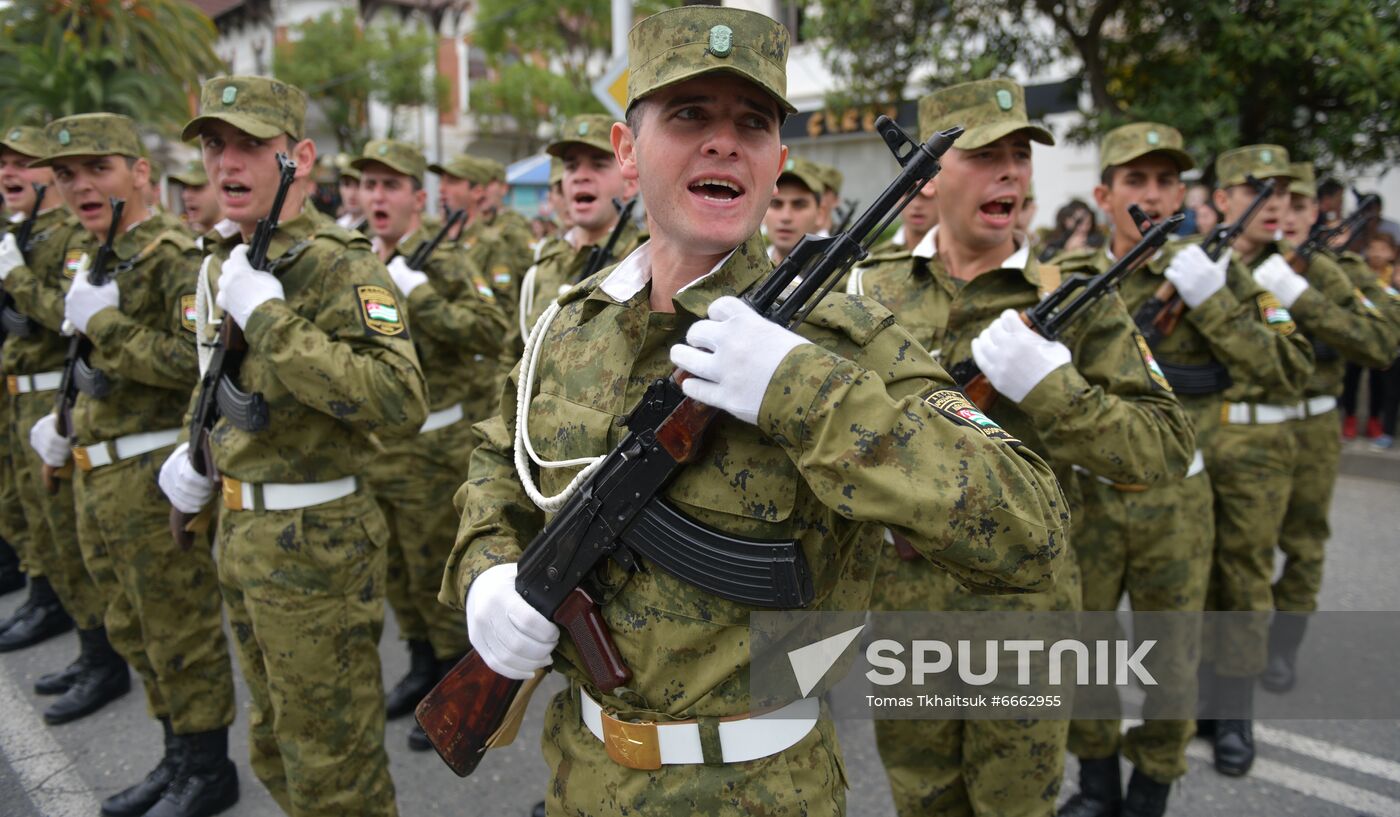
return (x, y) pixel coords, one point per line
(531, 171)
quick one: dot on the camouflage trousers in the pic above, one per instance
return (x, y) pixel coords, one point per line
(970, 767)
(162, 600)
(806, 780)
(414, 483)
(13, 526)
(1251, 474)
(52, 519)
(1305, 529)
(1156, 547)
(305, 596)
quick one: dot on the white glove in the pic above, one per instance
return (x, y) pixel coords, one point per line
(1014, 358)
(1195, 276)
(10, 256)
(1277, 277)
(44, 438)
(187, 489)
(85, 300)
(405, 279)
(243, 289)
(512, 637)
(733, 356)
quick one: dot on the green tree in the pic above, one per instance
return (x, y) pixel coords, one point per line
(542, 58)
(1321, 77)
(403, 70)
(329, 58)
(143, 58)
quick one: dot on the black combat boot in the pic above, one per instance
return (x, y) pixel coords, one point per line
(422, 674)
(417, 738)
(1285, 636)
(40, 617)
(11, 577)
(103, 679)
(138, 799)
(207, 781)
(58, 681)
(1234, 736)
(1146, 797)
(1100, 789)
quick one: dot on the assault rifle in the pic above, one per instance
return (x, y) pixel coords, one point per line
(78, 374)
(1320, 237)
(425, 250)
(1159, 315)
(219, 394)
(12, 321)
(1070, 300)
(1057, 246)
(602, 255)
(618, 513)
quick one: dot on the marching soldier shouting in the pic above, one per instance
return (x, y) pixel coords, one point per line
(797, 456)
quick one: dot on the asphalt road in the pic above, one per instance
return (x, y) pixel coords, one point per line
(1314, 768)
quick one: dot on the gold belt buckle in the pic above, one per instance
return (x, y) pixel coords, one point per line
(12, 384)
(634, 745)
(233, 494)
(80, 456)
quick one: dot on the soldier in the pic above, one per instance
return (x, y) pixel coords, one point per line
(496, 191)
(592, 179)
(457, 332)
(1344, 323)
(795, 208)
(302, 542)
(557, 206)
(1154, 545)
(162, 609)
(200, 200)
(1251, 460)
(352, 215)
(830, 197)
(919, 216)
(50, 559)
(702, 138)
(1091, 401)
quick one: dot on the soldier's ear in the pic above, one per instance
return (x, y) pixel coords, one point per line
(624, 146)
(304, 154)
(141, 172)
(1101, 197)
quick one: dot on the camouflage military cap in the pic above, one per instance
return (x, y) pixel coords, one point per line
(258, 106)
(400, 157)
(808, 174)
(683, 43)
(988, 109)
(91, 134)
(1260, 161)
(191, 174)
(591, 129)
(25, 140)
(556, 170)
(832, 178)
(1123, 145)
(157, 169)
(1304, 179)
(463, 166)
(495, 171)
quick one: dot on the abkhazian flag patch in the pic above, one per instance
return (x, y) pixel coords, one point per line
(955, 406)
(73, 261)
(1153, 370)
(1275, 314)
(483, 289)
(379, 309)
(1366, 302)
(188, 316)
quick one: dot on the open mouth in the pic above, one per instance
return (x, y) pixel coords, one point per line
(999, 207)
(714, 189)
(379, 216)
(13, 189)
(90, 207)
(585, 198)
(236, 192)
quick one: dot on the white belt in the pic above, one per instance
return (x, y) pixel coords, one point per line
(281, 496)
(1198, 465)
(652, 745)
(1262, 414)
(97, 455)
(442, 419)
(28, 383)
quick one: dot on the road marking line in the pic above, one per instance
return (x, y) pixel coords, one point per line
(1329, 752)
(1309, 784)
(45, 771)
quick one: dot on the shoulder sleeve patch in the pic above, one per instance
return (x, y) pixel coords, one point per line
(380, 311)
(482, 288)
(954, 405)
(500, 275)
(73, 261)
(1274, 314)
(1153, 370)
(187, 312)
(1366, 303)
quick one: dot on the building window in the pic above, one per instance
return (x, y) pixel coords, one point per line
(792, 15)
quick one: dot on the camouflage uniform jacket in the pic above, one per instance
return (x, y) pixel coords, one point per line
(145, 347)
(458, 328)
(1380, 292)
(850, 437)
(560, 266)
(1230, 327)
(334, 359)
(501, 252)
(37, 289)
(1342, 323)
